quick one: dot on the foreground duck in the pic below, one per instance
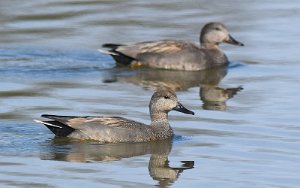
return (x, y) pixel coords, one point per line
(176, 54)
(118, 129)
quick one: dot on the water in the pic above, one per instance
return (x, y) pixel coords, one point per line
(49, 64)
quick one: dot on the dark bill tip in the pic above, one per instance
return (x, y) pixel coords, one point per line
(181, 108)
(231, 40)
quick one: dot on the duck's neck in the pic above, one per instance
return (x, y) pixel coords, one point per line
(215, 54)
(209, 46)
(159, 118)
(161, 126)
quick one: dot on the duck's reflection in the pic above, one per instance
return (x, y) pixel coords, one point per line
(212, 96)
(64, 149)
(160, 170)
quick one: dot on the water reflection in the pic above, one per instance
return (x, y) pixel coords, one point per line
(212, 96)
(64, 149)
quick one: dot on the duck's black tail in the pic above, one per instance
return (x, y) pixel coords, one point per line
(58, 128)
(111, 46)
(119, 57)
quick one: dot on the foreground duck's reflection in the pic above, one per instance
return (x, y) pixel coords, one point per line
(213, 96)
(64, 149)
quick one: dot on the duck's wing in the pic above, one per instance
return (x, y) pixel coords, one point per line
(65, 125)
(152, 47)
(78, 122)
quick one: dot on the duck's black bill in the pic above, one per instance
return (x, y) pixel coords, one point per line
(231, 40)
(181, 108)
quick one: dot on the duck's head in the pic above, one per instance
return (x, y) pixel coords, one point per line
(164, 100)
(214, 33)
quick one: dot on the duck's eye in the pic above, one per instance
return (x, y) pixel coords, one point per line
(166, 97)
(218, 29)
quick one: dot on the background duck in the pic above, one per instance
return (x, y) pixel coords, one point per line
(176, 54)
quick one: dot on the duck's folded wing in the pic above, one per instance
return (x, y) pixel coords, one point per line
(82, 122)
(158, 47)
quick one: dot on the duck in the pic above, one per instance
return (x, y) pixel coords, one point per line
(114, 129)
(176, 54)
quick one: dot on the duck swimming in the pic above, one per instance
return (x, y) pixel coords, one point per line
(111, 129)
(176, 54)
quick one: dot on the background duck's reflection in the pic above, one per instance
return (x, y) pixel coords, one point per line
(65, 149)
(212, 96)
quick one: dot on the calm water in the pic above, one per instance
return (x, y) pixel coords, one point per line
(49, 64)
